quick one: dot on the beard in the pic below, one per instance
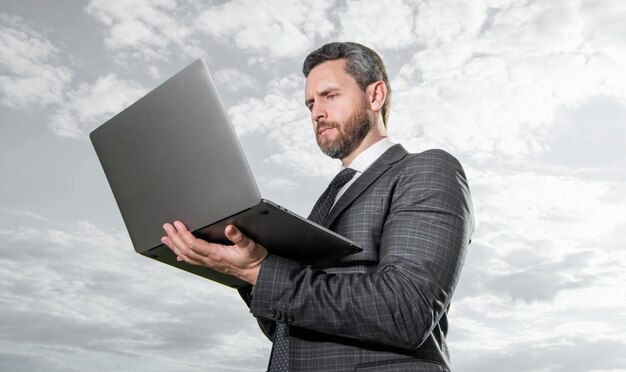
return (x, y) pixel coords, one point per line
(349, 136)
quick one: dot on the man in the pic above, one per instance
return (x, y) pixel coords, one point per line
(384, 309)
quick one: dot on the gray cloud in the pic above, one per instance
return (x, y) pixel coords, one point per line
(528, 95)
(90, 105)
(87, 291)
(552, 355)
(146, 30)
(525, 274)
(395, 22)
(282, 29)
(235, 80)
(590, 135)
(29, 62)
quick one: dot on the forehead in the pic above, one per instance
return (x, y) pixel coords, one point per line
(330, 74)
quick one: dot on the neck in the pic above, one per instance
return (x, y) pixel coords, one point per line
(369, 140)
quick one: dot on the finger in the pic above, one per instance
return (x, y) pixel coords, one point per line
(179, 256)
(165, 240)
(197, 248)
(180, 226)
(177, 244)
(190, 240)
(238, 238)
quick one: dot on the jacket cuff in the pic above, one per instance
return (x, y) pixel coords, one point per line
(273, 285)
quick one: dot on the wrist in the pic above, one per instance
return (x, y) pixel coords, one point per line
(251, 273)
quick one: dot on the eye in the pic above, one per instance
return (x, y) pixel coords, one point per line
(331, 96)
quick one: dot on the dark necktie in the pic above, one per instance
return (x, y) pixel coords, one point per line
(279, 360)
(326, 201)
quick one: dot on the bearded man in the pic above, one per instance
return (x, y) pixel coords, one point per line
(385, 308)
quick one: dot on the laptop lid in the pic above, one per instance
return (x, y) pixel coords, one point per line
(183, 128)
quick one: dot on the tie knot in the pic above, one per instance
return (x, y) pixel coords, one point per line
(342, 178)
(326, 201)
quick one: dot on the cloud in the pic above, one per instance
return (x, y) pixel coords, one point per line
(280, 184)
(86, 292)
(379, 25)
(147, 30)
(282, 104)
(31, 76)
(283, 120)
(590, 135)
(24, 214)
(235, 80)
(491, 86)
(88, 106)
(452, 21)
(282, 29)
(555, 355)
(528, 273)
(560, 209)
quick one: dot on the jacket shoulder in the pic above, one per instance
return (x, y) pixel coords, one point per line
(431, 160)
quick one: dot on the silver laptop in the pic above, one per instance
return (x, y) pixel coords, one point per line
(174, 155)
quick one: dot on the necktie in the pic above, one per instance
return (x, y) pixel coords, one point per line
(326, 201)
(279, 360)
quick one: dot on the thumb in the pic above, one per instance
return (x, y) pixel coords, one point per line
(237, 237)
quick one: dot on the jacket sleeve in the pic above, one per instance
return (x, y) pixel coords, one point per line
(422, 249)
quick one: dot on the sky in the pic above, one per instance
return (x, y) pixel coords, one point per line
(530, 96)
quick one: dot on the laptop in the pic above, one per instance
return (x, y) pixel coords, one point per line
(174, 155)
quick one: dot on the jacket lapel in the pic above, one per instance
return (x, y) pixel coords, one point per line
(377, 169)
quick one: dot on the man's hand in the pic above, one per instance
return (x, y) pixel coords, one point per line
(242, 260)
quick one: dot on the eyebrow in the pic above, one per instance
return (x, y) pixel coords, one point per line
(323, 93)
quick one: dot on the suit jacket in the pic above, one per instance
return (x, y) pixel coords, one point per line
(384, 309)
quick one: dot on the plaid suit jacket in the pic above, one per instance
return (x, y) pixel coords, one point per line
(384, 309)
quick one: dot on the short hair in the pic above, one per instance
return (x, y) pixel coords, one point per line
(362, 63)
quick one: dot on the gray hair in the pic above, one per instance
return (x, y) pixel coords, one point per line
(362, 63)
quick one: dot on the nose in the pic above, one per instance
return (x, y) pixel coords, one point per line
(318, 112)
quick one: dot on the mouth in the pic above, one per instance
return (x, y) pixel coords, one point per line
(321, 130)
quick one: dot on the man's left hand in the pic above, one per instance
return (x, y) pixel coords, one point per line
(242, 260)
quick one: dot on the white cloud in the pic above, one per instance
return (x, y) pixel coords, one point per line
(281, 28)
(86, 292)
(146, 29)
(235, 80)
(24, 214)
(528, 94)
(91, 105)
(492, 87)
(379, 25)
(279, 184)
(154, 72)
(590, 137)
(282, 105)
(543, 206)
(31, 76)
(448, 21)
(283, 120)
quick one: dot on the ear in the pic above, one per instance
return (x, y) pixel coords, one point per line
(376, 94)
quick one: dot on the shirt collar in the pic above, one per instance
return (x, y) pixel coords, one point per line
(368, 156)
